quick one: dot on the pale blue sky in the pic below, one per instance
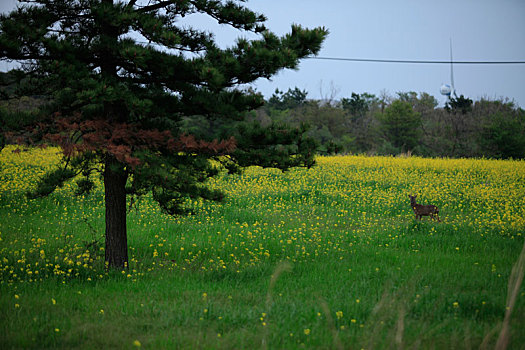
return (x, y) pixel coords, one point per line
(418, 29)
(481, 30)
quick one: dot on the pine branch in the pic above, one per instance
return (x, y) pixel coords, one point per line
(156, 6)
(131, 4)
(232, 14)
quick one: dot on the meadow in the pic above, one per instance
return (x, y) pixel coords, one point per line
(330, 257)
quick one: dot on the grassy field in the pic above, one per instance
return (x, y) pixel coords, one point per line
(330, 257)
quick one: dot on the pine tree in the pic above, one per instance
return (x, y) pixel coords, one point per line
(401, 125)
(119, 78)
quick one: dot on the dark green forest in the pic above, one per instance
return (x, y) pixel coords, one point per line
(407, 123)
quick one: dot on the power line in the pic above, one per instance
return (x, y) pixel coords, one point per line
(394, 61)
(412, 61)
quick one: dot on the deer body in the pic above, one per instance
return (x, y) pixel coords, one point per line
(423, 210)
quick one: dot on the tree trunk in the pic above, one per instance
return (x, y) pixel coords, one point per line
(114, 174)
(115, 199)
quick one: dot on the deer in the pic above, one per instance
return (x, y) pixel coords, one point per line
(423, 210)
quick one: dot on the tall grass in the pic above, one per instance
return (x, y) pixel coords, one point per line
(515, 281)
(330, 257)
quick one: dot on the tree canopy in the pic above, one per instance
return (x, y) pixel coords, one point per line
(119, 78)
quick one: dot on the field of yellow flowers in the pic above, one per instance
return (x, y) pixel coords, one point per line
(326, 257)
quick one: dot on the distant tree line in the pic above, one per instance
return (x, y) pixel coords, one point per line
(360, 124)
(406, 123)
(18, 108)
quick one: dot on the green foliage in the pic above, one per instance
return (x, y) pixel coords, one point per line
(8, 82)
(503, 135)
(459, 104)
(85, 186)
(277, 145)
(358, 105)
(287, 100)
(173, 180)
(51, 181)
(412, 122)
(400, 124)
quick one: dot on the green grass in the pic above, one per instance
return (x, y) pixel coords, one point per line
(351, 266)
